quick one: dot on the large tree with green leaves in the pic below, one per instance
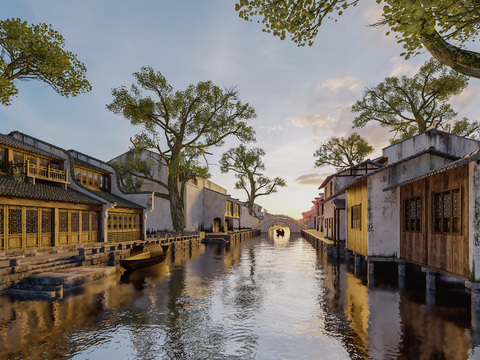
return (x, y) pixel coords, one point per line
(342, 152)
(248, 166)
(408, 106)
(37, 52)
(442, 27)
(180, 127)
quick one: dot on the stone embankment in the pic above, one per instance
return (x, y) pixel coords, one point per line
(51, 272)
(231, 237)
(323, 244)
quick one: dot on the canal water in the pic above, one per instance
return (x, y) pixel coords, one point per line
(266, 298)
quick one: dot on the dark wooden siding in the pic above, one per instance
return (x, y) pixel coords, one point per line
(443, 251)
(413, 244)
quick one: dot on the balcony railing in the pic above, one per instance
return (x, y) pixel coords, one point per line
(45, 172)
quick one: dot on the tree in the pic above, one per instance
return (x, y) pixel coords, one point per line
(433, 24)
(37, 52)
(247, 164)
(342, 152)
(180, 127)
(409, 106)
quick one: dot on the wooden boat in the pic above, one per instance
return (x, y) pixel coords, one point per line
(280, 232)
(146, 255)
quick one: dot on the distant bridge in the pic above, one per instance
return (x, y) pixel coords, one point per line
(270, 219)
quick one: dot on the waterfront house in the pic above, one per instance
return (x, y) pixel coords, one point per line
(334, 217)
(53, 197)
(422, 206)
(313, 219)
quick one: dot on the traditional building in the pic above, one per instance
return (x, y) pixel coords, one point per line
(422, 206)
(207, 205)
(53, 197)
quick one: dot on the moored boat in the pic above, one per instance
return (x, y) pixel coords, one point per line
(280, 232)
(146, 255)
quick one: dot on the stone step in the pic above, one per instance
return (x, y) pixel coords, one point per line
(53, 268)
(70, 278)
(53, 285)
(51, 263)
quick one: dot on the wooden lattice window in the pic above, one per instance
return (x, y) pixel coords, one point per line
(63, 221)
(46, 221)
(75, 220)
(32, 221)
(110, 222)
(447, 211)
(84, 177)
(115, 222)
(96, 180)
(356, 216)
(18, 158)
(14, 221)
(412, 214)
(44, 162)
(78, 175)
(1, 221)
(85, 221)
(95, 221)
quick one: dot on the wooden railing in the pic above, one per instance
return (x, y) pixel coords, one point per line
(45, 172)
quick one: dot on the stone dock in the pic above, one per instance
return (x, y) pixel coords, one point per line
(231, 237)
(321, 243)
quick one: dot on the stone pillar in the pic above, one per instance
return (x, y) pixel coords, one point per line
(401, 275)
(358, 260)
(371, 272)
(429, 278)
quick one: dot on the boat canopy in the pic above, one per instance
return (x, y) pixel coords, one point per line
(153, 248)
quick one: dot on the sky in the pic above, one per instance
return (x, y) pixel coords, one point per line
(302, 95)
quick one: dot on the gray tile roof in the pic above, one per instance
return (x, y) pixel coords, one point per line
(88, 165)
(351, 168)
(40, 191)
(339, 203)
(17, 144)
(112, 198)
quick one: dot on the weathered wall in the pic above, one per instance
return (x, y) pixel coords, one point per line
(445, 142)
(357, 237)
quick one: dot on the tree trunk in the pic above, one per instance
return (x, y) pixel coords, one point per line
(177, 208)
(463, 61)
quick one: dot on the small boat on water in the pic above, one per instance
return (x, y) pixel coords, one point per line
(146, 255)
(280, 232)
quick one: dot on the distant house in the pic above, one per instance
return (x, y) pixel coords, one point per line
(313, 219)
(207, 205)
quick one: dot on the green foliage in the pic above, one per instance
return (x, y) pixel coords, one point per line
(409, 106)
(441, 26)
(342, 152)
(37, 52)
(247, 166)
(180, 127)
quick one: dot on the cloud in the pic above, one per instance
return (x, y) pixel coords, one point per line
(314, 120)
(275, 128)
(340, 83)
(400, 67)
(311, 179)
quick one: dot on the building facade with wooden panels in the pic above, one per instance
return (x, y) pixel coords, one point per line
(438, 227)
(357, 203)
(59, 197)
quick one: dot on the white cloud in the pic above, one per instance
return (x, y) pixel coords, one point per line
(315, 120)
(340, 83)
(400, 67)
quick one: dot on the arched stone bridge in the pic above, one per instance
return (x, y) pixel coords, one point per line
(271, 219)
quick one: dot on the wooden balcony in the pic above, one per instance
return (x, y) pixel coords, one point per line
(46, 173)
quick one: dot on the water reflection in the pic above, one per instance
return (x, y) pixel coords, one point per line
(272, 297)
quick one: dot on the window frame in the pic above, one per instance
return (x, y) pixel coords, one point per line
(407, 210)
(442, 218)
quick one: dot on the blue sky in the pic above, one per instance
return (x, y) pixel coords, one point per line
(302, 95)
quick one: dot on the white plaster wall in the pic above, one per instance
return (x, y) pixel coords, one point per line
(160, 218)
(194, 205)
(327, 232)
(214, 205)
(449, 143)
(383, 216)
(474, 219)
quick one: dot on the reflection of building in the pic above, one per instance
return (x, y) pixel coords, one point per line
(207, 205)
(53, 197)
